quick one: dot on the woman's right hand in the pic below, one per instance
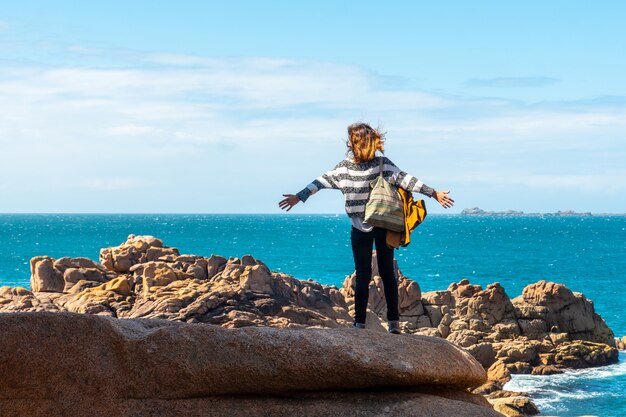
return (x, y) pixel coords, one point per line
(288, 202)
(443, 198)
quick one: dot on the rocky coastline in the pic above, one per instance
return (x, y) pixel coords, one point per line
(471, 338)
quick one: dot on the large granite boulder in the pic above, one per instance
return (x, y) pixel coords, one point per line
(462, 292)
(492, 305)
(514, 406)
(583, 354)
(21, 299)
(563, 311)
(97, 365)
(50, 275)
(149, 276)
(620, 343)
(350, 403)
(136, 250)
(113, 298)
(244, 293)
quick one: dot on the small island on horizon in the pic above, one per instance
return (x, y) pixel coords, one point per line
(475, 211)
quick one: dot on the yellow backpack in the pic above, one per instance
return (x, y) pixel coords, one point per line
(414, 215)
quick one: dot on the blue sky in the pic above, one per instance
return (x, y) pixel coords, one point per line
(213, 107)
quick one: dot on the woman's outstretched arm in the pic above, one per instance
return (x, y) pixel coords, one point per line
(327, 180)
(408, 182)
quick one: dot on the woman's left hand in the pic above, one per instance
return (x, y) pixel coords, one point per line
(443, 198)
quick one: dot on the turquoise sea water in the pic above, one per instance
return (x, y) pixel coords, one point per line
(588, 254)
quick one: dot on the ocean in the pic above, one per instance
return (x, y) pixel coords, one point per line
(588, 254)
(591, 392)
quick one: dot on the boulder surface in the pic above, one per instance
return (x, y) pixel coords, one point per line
(64, 361)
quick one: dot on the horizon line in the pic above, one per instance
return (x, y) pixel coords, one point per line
(487, 214)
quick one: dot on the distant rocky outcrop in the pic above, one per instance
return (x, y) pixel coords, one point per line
(79, 365)
(547, 329)
(475, 211)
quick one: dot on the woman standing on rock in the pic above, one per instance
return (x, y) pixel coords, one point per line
(353, 176)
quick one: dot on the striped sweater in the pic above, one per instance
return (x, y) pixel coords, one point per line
(354, 182)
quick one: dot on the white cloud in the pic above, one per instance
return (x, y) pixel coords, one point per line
(112, 184)
(513, 82)
(610, 182)
(228, 100)
(132, 130)
(165, 118)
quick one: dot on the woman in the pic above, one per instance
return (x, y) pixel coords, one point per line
(353, 176)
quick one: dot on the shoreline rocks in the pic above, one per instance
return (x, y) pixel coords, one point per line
(548, 305)
(545, 330)
(524, 335)
(515, 406)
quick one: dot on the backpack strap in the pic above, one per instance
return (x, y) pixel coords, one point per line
(381, 166)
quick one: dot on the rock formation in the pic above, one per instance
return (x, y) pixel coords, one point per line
(514, 406)
(76, 364)
(49, 275)
(550, 306)
(144, 278)
(487, 322)
(547, 329)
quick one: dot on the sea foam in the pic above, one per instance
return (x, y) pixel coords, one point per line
(574, 392)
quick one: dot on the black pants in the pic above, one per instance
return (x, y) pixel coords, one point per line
(362, 251)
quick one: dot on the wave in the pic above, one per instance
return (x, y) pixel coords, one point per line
(578, 391)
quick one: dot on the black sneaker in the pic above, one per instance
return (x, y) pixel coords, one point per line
(393, 326)
(358, 325)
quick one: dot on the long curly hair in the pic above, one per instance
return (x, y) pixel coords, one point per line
(363, 142)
